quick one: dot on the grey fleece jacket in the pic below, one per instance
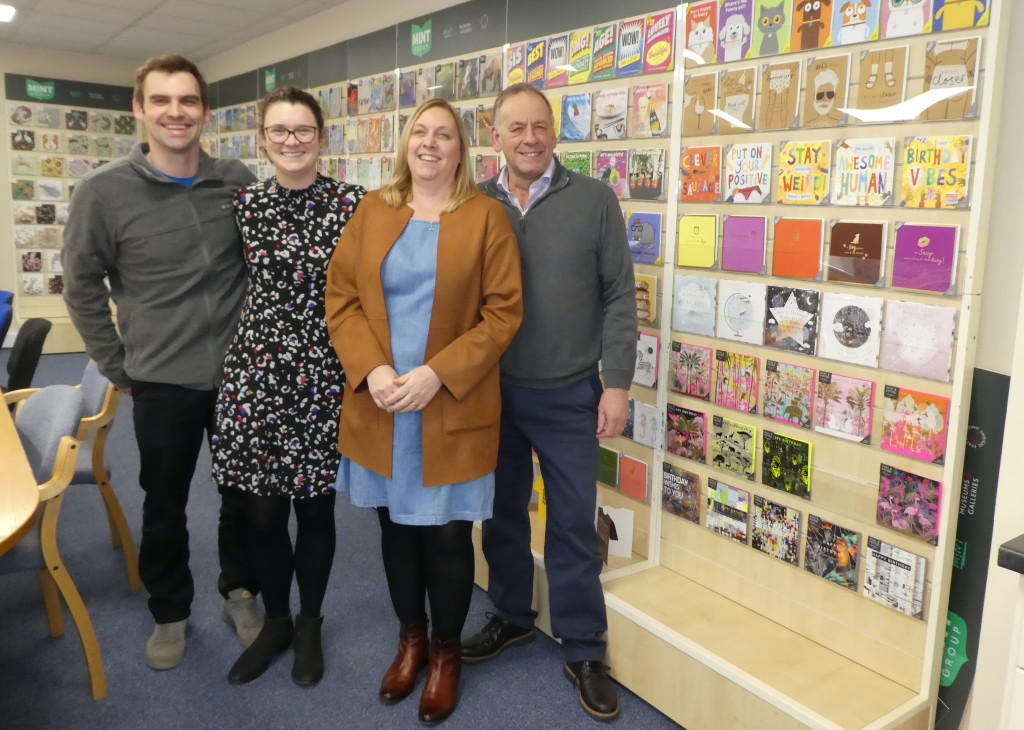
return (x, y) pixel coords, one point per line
(579, 294)
(174, 262)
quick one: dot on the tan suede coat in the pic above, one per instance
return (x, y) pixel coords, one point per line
(477, 309)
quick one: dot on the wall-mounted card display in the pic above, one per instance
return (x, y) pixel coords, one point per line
(697, 244)
(843, 406)
(882, 80)
(728, 510)
(811, 25)
(580, 161)
(646, 173)
(610, 167)
(646, 371)
(914, 424)
(610, 107)
(734, 34)
(646, 425)
(856, 252)
(831, 551)
(741, 311)
(648, 115)
(576, 117)
(909, 502)
(680, 492)
(557, 61)
(772, 31)
(791, 319)
(694, 304)
(644, 233)
(854, 22)
(950, 65)
(747, 172)
(895, 577)
(686, 433)
(863, 172)
(690, 370)
(775, 530)
(629, 54)
(737, 89)
(700, 94)
(701, 33)
(918, 339)
(608, 466)
(633, 478)
(935, 172)
(797, 250)
(647, 303)
(786, 464)
(803, 173)
(828, 80)
(788, 393)
(700, 174)
(780, 95)
(743, 243)
(736, 380)
(580, 56)
(605, 46)
(925, 257)
(851, 328)
(733, 446)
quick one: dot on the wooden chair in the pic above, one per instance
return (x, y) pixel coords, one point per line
(46, 422)
(100, 406)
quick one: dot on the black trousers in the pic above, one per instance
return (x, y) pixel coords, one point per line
(170, 424)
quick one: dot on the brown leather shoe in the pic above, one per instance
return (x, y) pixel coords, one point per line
(411, 657)
(441, 690)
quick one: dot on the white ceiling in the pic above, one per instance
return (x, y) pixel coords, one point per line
(137, 29)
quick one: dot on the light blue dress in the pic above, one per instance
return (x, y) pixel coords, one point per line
(408, 276)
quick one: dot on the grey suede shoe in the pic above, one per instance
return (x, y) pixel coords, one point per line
(242, 611)
(166, 646)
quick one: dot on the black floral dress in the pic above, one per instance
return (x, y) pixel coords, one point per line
(277, 412)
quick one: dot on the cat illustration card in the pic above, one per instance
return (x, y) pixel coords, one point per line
(788, 393)
(727, 510)
(908, 502)
(843, 406)
(700, 174)
(918, 339)
(862, 173)
(680, 492)
(771, 28)
(693, 304)
(856, 252)
(686, 433)
(697, 241)
(825, 96)
(903, 19)
(791, 319)
(797, 248)
(952, 65)
(914, 424)
(935, 172)
(747, 172)
(733, 446)
(855, 21)
(882, 77)
(743, 243)
(734, 29)
(741, 311)
(736, 380)
(775, 530)
(925, 257)
(780, 95)
(700, 94)
(957, 14)
(803, 175)
(812, 25)
(736, 92)
(850, 328)
(701, 33)
(690, 370)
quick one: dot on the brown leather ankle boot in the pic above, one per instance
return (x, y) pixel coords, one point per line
(412, 656)
(441, 690)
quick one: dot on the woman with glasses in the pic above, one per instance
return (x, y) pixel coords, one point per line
(423, 297)
(277, 412)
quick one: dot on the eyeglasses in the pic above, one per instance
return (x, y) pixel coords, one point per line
(303, 135)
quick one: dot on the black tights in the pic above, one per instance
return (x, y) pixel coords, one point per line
(431, 562)
(273, 560)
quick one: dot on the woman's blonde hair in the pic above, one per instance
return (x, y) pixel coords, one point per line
(398, 189)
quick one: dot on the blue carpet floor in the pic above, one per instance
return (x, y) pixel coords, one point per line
(44, 683)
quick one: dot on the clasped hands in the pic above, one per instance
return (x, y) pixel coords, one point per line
(407, 393)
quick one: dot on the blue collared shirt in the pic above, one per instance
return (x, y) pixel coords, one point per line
(537, 188)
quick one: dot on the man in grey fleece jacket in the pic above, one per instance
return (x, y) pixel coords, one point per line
(579, 310)
(159, 227)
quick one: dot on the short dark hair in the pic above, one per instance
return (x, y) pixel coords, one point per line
(170, 63)
(292, 95)
(515, 90)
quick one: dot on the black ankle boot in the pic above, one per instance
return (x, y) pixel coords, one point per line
(274, 638)
(308, 668)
